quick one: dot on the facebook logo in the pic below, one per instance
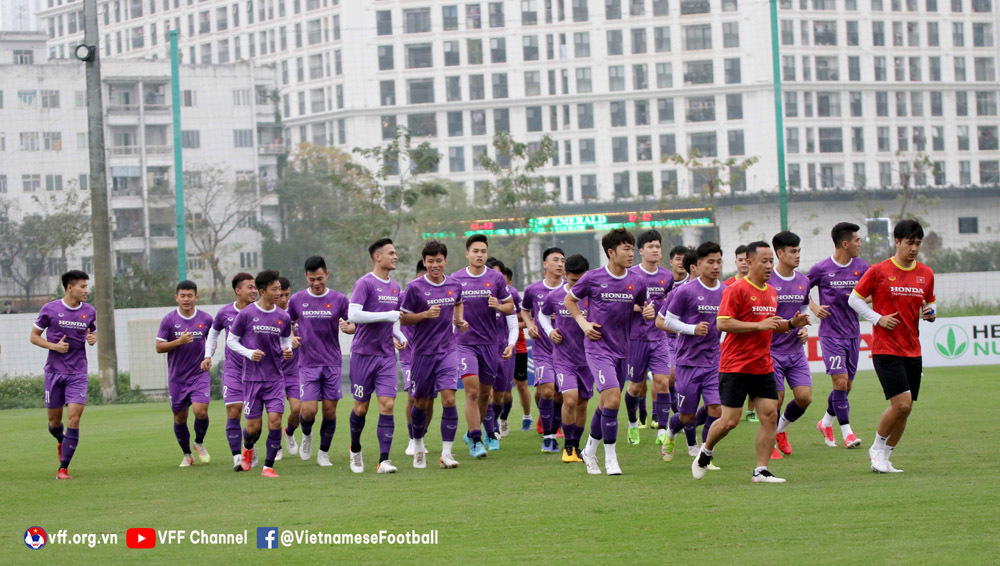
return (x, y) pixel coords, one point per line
(267, 537)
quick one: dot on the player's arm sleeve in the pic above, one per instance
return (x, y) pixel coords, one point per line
(43, 321)
(858, 303)
(511, 329)
(92, 325)
(357, 315)
(163, 334)
(814, 276)
(582, 287)
(545, 322)
(673, 322)
(727, 308)
(286, 343)
(929, 297)
(211, 342)
(233, 341)
(397, 332)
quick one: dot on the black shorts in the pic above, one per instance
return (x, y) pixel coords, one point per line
(521, 366)
(735, 387)
(898, 374)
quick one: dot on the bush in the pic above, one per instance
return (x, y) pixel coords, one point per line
(29, 392)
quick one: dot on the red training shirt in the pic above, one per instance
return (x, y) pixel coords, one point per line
(897, 289)
(749, 352)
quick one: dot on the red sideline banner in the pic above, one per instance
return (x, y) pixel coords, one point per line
(963, 341)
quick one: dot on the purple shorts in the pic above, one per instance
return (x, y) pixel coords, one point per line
(695, 383)
(544, 370)
(61, 389)
(232, 389)
(430, 374)
(840, 355)
(793, 368)
(608, 372)
(183, 395)
(293, 389)
(481, 360)
(319, 383)
(505, 377)
(645, 355)
(373, 374)
(261, 395)
(575, 378)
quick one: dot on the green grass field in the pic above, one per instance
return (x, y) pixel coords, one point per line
(520, 505)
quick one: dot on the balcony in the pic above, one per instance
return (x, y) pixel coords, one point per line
(125, 150)
(271, 149)
(122, 108)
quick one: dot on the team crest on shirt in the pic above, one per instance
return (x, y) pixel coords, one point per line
(921, 280)
(701, 298)
(753, 297)
(450, 292)
(328, 306)
(278, 322)
(256, 320)
(663, 281)
(892, 278)
(177, 326)
(856, 273)
(629, 287)
(395, 291)
(201, 326)
(800, 287)
(83, 316)
(60, 315)
(304, 305)
(603, 285)
(487, 285)
(428, 293)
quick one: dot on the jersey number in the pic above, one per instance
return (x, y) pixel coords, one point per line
(464, 365)
(600, 376)
(359, 390)
(836, 362)
(246, 408)
(225, 390)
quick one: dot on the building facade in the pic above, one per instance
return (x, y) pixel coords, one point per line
(227, 143)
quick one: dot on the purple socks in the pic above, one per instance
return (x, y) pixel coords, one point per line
(793, 411)
(661, 406)
(417, 421)
(57, 433)
(183, 437)
(505, 410)
(631, 406)
(841, 406)
(307, 425)
(490, 422)
(234, 434)
(357, 426)
(556, 417)
(200, 428)
(326, 430)
(708, 425)
(273, 445)
(384, 430)
(449, 424)
(546, 409)
(595, 425)
(609, 425)
(70, 441)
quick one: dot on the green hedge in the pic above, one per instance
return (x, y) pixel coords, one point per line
(29, 392)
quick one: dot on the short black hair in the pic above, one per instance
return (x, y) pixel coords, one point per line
(752, 247)
(265, 278)
(72, 276)
(906, 229)
(476, 238)
(708, 248)
(421, 268)
(492, 262)
(550, 251)
(785, 239)
(377, 245)
(433, 248)
(285, 283)
(615, 238)
(315, 263)
(187, 285)
(741, 249)
(690, 260)
(843, 231)
(507, 272)
(241, 277)
(678, 250)
(647, 237)
(577, 264)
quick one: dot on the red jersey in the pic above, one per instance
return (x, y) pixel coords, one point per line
(895, 289)
(749, 352)
(729, 282)
(521, 347)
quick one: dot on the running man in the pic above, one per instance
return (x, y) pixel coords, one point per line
(503, 400)
(613, 292)
(554, 264)
(788, 350)
(748, 317)
(68, 323)
(232, 369)
(432, 304)
(484, 293)
(691, 312)
(405, 361)
(262, 333)
(903, 287)
(320, 314)
(290, 371)
(839, 331)
(647, 346)
(576, 383)
(742, 268)
(374, 308)
(182, 336)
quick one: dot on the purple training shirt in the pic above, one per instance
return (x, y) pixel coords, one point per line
(476, 293)
(836, 282)
(375, 295)
(317, 322)
(184, 361)
(58, 320)
(793, 294)
(432, 336)
(262, 330)
(611, 306)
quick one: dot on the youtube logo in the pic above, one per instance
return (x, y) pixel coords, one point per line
(140, 538)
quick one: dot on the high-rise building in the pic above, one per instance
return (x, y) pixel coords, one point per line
(230, 148)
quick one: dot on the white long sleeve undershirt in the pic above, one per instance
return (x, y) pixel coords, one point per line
(862, 307)
(357, 315)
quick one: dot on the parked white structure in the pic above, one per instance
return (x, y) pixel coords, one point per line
(228, 125)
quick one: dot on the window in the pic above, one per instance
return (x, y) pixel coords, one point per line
(474, 51)
(585, 116)
(638, 41)
(473, 17)
(732, 67)
(422, 125)
(387, 92)
(449, 18)
(828, 104)
(532, 83)
(496, 15)
(580, 12)
(619, 149)
(957, 34)
(987, 137)
(588, 151)
(383, 22)
(640, 77)
(960, 69)
(50, 99)
(787, 32)
(618, 114)
(31, 183)
(583, 81)
(989, 172)
(385, 60)
(53, 183)
(616, 77)
(731, 34)
(700, 109)
(615, 42)
(736, 146)
(665, 110)
(388, 127)
(857, 139)
(641, 112)
(668, 182)
(791, 105)
(581, 44)
(831, 140)
(661, 7)
(52, 141)
(704, 143)
(827, 69)
(698, 72)
(792, 140)
(689, 7)
(529, 12)
(968, 224)
(621, 182)
(668, 145)
(661, 39)
(985, 69)
(697, 37)
(455, 125)
(530, 47)
(643, 148)
(420, 91)
(477, 87)
(29, 141)
(499, 85)
(498, 50)
(419, 56)
(533, 117)
(734, 106)
(417, 20)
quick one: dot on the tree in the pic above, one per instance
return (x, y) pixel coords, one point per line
(711, 176)
(215, 209)
(517, 192)
(67, 220)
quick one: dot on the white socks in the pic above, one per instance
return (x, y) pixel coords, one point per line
(446, 448)
(879, 443)
(828, 420)
(783, 424)
(610, 451)
(591, 448)
(846, 430)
